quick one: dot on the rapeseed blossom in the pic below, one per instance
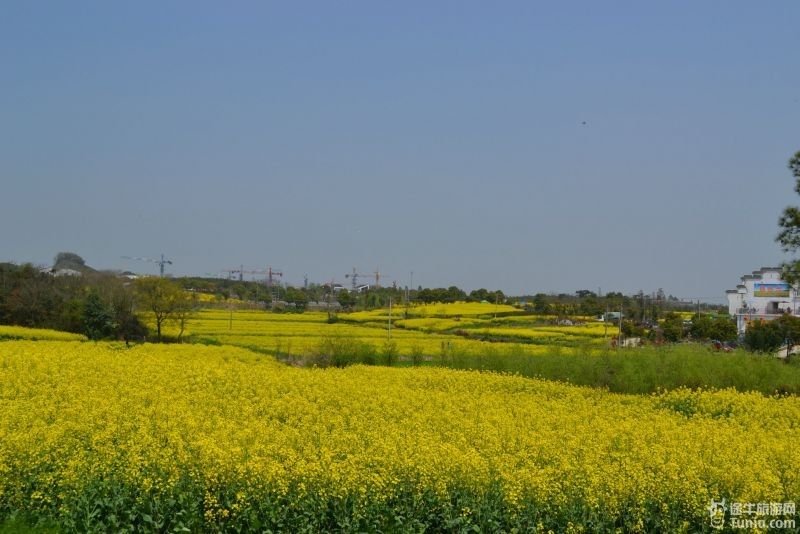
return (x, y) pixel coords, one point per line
(161, 437)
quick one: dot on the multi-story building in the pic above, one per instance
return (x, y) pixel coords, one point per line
(763, 295)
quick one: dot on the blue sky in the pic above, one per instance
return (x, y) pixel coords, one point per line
(517, 145)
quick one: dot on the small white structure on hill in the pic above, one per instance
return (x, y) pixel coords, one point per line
(763, 295)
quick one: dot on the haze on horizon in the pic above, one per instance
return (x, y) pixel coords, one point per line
(527, 147)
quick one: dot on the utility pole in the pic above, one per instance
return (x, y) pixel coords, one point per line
(390, 318)
(408, 292)
(161, 263)
(643, 310)
(330, 299)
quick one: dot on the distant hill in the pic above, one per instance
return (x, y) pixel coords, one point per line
(69, 261)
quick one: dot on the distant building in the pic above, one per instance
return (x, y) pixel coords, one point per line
(67, 272)
(763, 295)
(611, 317)
(59, 272)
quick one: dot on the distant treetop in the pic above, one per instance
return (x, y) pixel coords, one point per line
(70, 260)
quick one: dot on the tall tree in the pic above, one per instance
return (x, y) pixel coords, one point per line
(164, 300)
(789, 223)
(186, 308)
(98, 320)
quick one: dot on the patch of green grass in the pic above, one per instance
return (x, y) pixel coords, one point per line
(19, 523)
(642, 370)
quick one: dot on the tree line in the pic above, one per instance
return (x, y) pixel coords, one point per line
(97, 304)
(100, 305)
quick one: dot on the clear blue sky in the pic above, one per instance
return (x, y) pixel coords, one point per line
(447, 138)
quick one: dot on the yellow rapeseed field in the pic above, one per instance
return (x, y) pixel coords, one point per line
(302, 333)
(165, 437)
(437, 309)
(21, 332)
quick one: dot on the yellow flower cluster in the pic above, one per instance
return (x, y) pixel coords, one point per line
(218, 437)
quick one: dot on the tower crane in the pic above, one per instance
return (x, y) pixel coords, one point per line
(269, 273)
(161, 263)
(354, 276)
(240, 271)
(378, 276)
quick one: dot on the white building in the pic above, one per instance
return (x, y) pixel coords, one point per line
(762, 295)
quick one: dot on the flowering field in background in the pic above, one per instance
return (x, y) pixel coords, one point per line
(303, 333)
(438, 309)
(163, 437)
(21, 332)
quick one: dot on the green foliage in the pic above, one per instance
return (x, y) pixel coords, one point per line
(769, 336)
(642, 370)
(479, 295)
(710, 327)
(72, 261)
(340, 351)
(389, 353)
(98, 321)
(345, 299)
(790, 328)
(440, 294)
(540, 304)
(79, 304)
(165, 301)
(763, 337)
(635, 371)
(297, 297)
(27, 523)
(789, 223)
(672, 327)
(113, 506)
(629, 329)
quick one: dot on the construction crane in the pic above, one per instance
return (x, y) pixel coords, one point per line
(231, 272)
(161, 263)
(241, 271)
(378, 276)
(355, 275)
(271, 275)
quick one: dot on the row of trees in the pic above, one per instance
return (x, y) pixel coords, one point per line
(455, 294)
(641, 308)
(97, 304)
(300, 297)
(702, 327)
